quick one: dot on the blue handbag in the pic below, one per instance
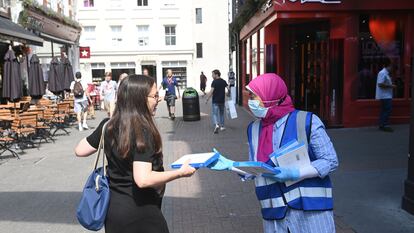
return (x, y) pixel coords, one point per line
(94, 203)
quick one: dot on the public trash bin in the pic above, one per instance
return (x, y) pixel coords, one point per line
(191, 105)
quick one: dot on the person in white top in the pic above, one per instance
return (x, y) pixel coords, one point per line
(108, 91)
(79, 90)
(384, 92)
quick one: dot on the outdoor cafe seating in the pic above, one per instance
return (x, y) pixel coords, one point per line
(26, 123)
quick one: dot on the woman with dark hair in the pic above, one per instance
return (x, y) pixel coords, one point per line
(133, 148)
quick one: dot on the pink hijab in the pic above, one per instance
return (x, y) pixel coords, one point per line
(271, 89)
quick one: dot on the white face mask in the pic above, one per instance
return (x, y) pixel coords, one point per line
(257, 110)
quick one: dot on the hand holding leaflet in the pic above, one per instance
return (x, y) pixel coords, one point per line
(196, 160)
(222, 163)
(186, 170)
(294, 163)
(285, 174)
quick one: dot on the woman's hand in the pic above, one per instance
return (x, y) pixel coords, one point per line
(186, 170)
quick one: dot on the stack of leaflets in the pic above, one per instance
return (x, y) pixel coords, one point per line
(255, 168)
(197, 160)
(293, 154)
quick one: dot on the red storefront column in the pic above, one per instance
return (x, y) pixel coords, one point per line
(351, 48)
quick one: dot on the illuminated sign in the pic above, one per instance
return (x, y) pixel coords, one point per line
(267, 5)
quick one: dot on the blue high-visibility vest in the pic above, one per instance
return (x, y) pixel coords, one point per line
(309, 194)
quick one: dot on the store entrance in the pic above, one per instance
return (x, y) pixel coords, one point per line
(152, 70)
(117, 72)
(314, 71)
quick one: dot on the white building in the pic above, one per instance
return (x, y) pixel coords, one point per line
(187, 36)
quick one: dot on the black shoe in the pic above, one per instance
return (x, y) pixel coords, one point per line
(172, 116)
(386, 129)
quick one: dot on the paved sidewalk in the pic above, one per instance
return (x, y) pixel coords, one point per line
(39, 192)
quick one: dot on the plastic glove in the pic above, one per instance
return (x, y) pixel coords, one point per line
(284, 174)
(222, 163)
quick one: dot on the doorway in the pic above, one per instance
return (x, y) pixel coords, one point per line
(152, 70)
(315, 70)
(117, 72)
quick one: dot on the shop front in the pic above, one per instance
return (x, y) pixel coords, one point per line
(330, 52)
(14, 37)
(60, 33)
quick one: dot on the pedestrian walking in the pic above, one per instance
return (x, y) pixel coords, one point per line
(79, 89)
(91, 94)
(203, 83)
(232, 83)
(384, 92)
(305, 206)
(133, 148)
(108, 91)
(169, 83)
(218, 93)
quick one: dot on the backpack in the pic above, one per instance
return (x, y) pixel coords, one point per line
(78, 90)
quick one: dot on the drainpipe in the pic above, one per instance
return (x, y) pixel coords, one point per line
(237, 70)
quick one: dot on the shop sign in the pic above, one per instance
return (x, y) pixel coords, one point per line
(84, 52)
(44, 24)
(267, 5)
(34, 24)
(280, 2)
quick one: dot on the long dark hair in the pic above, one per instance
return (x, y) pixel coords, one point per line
(132, 121)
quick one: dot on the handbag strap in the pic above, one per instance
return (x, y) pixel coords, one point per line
(101, 148)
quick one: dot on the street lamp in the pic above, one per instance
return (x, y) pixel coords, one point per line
(408, 198)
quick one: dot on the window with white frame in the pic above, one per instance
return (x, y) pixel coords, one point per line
(169, 3)
(116, 34)
(143, 35)
(142, 2)
(89, 33)
(199, 15)
(199, 50)
(115, 3)
(47, 3)
(88, 3)
(122, 65)
(170, 37)
(4, 7)
(4, 3)
(61, 7)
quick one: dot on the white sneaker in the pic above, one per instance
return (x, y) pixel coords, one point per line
(222, 128)
(85, 126)
(216, 129)
(80, 128)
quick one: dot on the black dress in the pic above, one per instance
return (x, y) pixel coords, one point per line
(131, 209)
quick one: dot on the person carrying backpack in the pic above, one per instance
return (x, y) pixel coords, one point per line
(78, 88)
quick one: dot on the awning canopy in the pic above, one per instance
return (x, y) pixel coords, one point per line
(56, 39)
(15, 32)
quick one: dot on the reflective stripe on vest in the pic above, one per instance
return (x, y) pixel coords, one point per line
(308, 192)
(274, 197)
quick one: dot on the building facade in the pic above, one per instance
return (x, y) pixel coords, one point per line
(330, 52)
(187, 36)
(52, 20)
(42, 27)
